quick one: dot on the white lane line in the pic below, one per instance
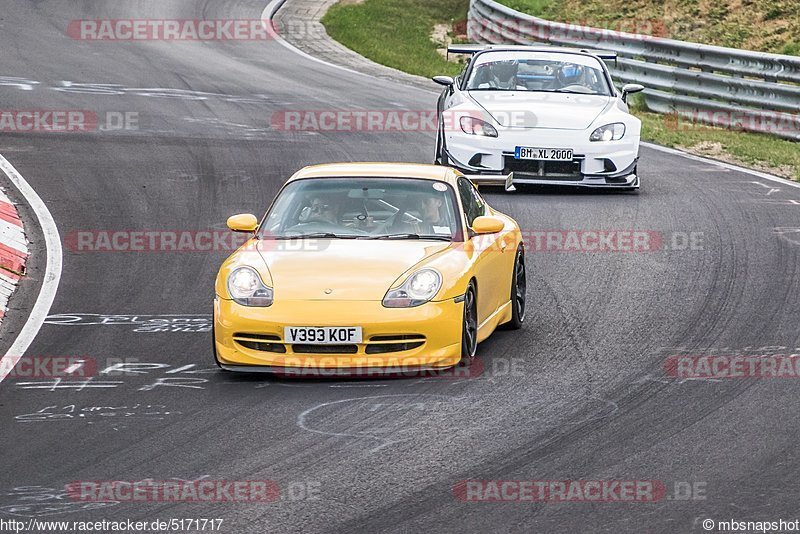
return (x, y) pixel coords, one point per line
(267, 20)
(771, 189)
(52, 274)
(74, 367)
(722, 164)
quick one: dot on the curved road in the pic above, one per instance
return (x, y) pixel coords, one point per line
(579, 394)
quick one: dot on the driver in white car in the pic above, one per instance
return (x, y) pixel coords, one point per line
(499, 75)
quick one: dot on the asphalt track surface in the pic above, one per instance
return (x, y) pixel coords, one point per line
(578, 394)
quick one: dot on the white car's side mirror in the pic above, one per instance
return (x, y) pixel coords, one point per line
(447, 81)
(629, 89)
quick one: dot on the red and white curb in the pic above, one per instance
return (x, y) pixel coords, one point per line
(13, 251)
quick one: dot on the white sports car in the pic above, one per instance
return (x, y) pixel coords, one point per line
(538, 115)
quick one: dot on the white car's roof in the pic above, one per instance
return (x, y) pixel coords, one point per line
(475, 48)
(567, 57)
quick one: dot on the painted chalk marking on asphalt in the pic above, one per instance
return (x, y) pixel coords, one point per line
(192, 323)
(41, 501)
(52, 274)
(771, 189)
(157, 375)
(302, 419)
(92, 414)
(792, 235)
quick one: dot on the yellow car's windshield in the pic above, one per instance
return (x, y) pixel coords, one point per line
(363, 208)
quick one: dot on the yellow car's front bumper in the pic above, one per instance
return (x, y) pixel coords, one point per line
(394, 339)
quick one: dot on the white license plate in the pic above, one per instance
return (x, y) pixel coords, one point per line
(550, 154)
(322, 335)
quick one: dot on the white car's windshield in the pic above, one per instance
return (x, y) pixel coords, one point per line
(538, 71)
(363, 208)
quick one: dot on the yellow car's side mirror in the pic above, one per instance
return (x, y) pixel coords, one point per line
(244, 222)
(487, 225)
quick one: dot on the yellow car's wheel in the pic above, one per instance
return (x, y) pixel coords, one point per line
(518, 291)
(469, 328)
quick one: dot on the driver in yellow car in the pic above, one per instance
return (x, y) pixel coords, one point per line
(322, 209)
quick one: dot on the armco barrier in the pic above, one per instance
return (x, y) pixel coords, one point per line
(727, 87)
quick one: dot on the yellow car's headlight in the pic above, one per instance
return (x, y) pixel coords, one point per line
(418, 289)
(246, 288)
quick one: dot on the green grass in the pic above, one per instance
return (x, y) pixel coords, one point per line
(750, 149)
(396, 33)
(539, 8)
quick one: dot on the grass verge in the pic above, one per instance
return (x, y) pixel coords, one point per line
(764, 25)
(397, 33)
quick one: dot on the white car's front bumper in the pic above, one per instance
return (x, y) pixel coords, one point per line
(610, 164)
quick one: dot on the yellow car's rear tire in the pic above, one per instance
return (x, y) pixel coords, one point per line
(519, 288)
(469, 326)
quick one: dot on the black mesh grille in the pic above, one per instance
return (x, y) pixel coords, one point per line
(402, 337)
(263, 347)
(264, 337)
(383, 348)
(561, 170)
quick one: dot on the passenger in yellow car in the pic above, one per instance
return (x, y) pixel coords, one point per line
(430, 215)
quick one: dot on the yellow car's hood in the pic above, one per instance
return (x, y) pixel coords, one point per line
(341, 269)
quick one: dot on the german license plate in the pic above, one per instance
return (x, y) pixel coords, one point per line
(322, 335)
(550, 154)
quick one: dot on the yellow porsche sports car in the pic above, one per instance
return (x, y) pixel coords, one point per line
(368, 267)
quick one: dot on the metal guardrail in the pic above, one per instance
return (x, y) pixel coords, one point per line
(726, 87)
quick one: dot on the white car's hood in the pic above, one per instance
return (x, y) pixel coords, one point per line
(528, 109)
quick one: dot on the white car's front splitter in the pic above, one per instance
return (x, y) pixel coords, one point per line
(594, 164)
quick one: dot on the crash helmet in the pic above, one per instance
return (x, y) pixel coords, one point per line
(570, 73)
(504, 70)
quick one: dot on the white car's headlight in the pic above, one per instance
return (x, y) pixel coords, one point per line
(609, 132)
(418, 289)
(246, 288)
(473, 126)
